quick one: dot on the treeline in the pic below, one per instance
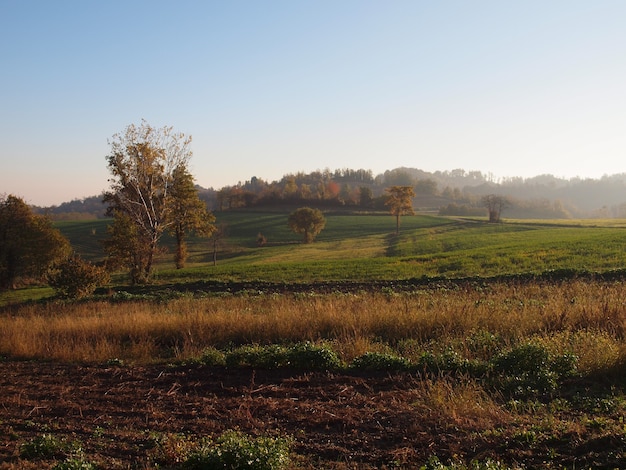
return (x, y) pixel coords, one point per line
(456, 192)
(320, 188)
(542, 196)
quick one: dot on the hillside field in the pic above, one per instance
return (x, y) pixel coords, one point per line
(456, 344)
(365, 247)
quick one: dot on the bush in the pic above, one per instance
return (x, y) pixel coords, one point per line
(213, 357)
(300, 356)
(311, 357)
(529, 369)
(236, 450)
(263, 357)
(75, 278)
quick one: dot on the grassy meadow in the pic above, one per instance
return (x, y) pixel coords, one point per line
(365, 247)
(522, 361)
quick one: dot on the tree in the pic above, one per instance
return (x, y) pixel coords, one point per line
(29, 244)
(189, 213)
(495, 205)
(307, 221)
(400, 202)
(217, 239)
(142, 164)
(366, 198)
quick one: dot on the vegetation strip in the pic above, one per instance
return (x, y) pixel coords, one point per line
(397, 285)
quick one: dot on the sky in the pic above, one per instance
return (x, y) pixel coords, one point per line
(271, 87)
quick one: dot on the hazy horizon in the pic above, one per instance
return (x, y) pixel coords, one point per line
(270, 88)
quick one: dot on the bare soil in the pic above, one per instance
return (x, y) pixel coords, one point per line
(117, 413)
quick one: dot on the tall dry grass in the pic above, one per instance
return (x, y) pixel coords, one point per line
(588, 318)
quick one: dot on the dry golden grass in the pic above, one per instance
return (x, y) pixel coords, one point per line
(460, 405)
(587, 318)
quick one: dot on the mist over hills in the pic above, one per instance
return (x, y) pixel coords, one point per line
(455, 192)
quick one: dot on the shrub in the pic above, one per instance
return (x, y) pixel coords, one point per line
(263, 357)
(213, 357)
(529, 369)
(236, 450)
(300, 356)
(75, 278)
(311, 357)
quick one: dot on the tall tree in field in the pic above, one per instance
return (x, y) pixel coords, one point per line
(307, 221)
(29, 244)
(399, 200)
(189, 213)
(142, 164)
(495, 204)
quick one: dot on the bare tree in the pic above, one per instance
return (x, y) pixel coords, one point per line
(217, 239)
(495, 204)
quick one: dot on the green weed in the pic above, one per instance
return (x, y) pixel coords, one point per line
(47, 446)
(380, 361)
(239, 451)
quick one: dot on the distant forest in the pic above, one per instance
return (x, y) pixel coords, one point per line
(456, 192)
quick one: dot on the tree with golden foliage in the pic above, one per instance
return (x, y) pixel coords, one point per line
(399, 200)
(143, 163)
(309, 222)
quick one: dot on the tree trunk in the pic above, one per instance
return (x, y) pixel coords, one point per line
(181, 249)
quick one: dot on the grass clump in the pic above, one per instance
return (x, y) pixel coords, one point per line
(237, 450)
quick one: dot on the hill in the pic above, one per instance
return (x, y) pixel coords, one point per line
(455, 192)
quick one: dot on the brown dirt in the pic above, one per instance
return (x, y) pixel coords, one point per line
(120, 415)
(115, 412)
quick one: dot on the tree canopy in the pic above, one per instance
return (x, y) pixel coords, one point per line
(29, 244)
(494, 204)
(309, 222)
(189, 213)
(399, 200)
(144, 163)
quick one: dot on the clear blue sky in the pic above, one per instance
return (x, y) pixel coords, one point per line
(514, 88)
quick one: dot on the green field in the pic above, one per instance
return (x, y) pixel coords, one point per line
(365, 247)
